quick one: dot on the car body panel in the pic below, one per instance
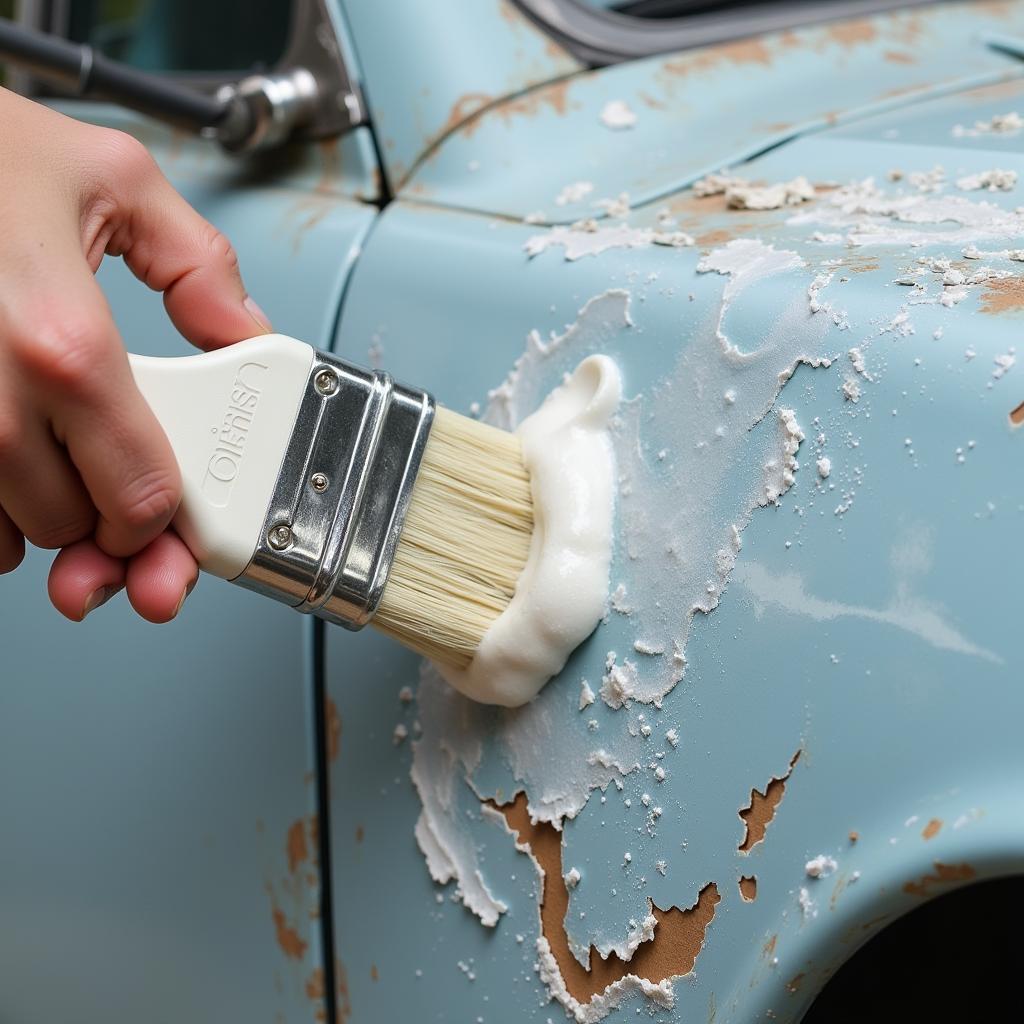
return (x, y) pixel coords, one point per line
(867, 626)
(428, 67)
(703, 110)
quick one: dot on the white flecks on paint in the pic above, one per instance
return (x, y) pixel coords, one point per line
(851, 390)
(575, 192)
(572, 878)
(995, 180)
(740, 194)
(1004, 363)
(999, 124)
(590, 238)
(617, 115)
(821, 866)
(824, 467)
(586, 694)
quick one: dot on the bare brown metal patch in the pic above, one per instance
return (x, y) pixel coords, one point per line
(852, 33)
(288, 938)
(748, 888)
(931, 830)
(899, 57)
(333, 725)
(678, 937)
(944, 874)
(758, 814)
(295, 845)
(1017, 415)
(1004, 296)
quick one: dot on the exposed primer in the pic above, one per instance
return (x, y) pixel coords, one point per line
(617, 115)
(589, 238)
(741, 194)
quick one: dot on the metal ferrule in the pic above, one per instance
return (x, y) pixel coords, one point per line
(341, 497)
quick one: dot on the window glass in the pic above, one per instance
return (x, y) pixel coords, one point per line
(184, 35)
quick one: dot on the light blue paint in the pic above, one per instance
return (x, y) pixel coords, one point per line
(136, 762)
(696, 114)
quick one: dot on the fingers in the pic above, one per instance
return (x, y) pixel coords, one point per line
(78, 373)
(160, 577)
(82, 578)
(175, 251)
(12, 544)
(40, 490)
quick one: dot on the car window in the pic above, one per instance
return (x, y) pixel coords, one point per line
(183, 35)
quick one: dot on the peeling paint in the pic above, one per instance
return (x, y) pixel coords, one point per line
(760, 812)
(944, 874)
(671, 951)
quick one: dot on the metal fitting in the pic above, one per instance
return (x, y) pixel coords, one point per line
(327, 550)
(263, 111)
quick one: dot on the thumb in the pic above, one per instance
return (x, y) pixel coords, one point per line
(171, 248)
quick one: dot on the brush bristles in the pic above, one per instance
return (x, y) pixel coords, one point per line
(464, 544)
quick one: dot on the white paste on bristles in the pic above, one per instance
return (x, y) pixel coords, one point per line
(560, 596)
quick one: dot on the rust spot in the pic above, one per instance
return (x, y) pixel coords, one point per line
(463, 109)
(333, 725)
(794, 983)
(315, 984)
(374, 976)
(854, 836)
(649, 101)
(716, 237)
(758, 814)
(359, 833)
(295, 845)
(678, 938)
(1005, 296)
(343, 1004)
(852, 33)
(747, 51)
(944, 874)
(768, 949)
(288, 938)
(1017, 415)
(899, 57)
(931, 830)
(748, 888)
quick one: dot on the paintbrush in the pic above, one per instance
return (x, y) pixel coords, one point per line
(340, 492)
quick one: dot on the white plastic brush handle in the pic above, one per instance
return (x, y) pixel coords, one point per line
(229, 416)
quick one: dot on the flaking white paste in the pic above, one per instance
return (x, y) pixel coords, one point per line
(560, 596)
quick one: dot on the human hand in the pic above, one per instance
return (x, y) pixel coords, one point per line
(84, 464)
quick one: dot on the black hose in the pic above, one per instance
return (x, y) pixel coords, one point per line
(88, 73)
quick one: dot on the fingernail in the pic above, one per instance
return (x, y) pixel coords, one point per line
(261, 318)
(188, 590)
(101, 595)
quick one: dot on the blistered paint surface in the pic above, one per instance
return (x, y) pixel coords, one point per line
(810, 604)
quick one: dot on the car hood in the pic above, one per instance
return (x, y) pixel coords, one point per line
(651, 128)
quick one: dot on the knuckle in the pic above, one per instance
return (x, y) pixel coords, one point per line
(149, 500)
(60, 532)
(63, 351)
(123, 157)
(220, 248)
